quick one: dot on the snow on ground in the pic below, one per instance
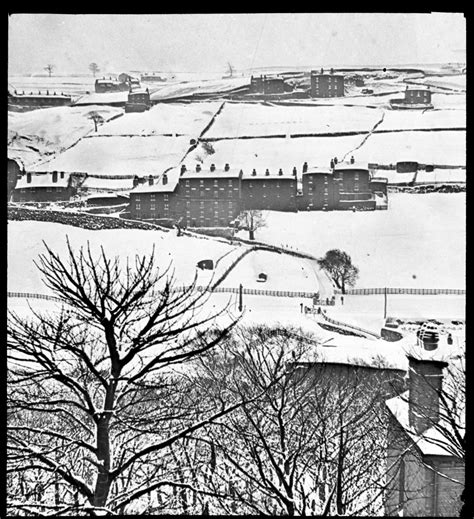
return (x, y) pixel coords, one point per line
(449, 101)
(102, 98)
(418, 119)
(454, 82)
(25, 243)
(120, 155)
(241, 120)
(173, 118)
(440, 147)
(275, 153)
(440, 176)
(418, 242)
(202, 86)
(284, 273)
(72, 85)
(51, 130)
(368, 311)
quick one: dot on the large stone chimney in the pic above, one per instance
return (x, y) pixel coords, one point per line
(425, 380)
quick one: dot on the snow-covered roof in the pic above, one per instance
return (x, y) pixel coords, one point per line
(172, 180)
(42, 180)
(347, 166)
(119, 184)
(273, 174)
(207, 173)
(102, 98)
(316, 170)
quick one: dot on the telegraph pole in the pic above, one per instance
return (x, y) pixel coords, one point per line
(240, 297)
(385, 303)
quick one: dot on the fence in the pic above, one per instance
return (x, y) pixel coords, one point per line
(350, 326)
(27, 295)
(409, 291)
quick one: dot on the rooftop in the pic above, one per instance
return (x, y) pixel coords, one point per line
(261, 174)
(347, 165)
(42, 180)
(172, 180)
(222, 172)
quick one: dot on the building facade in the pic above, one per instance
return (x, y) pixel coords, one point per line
(326, 85)
(31, 101)
(138, 100)
(274, 191)
(418, 96)
(14, 173)
(267, 85)
(110, 85)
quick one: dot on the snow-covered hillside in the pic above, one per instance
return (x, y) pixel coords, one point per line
(418, 242)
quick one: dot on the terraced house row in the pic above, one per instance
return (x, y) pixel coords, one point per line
(215, 197)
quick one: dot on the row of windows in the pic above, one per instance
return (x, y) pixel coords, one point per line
(216, 183)
(48, 189)
(271, 185)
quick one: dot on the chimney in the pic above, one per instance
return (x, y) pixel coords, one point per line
(226, 167)
(150, 180)
(352, 159)
(332, 70)
(280, 172)
(305, 167)
(335, 160)
(295, 172)
(331, 164)
(198, 167)
(136, 181)
(55, 176)
(165, 179)
(183, 168)
(254, 172)
(425, 384)
(62, 174)
(28, 178)
(322, 70)
(267, 173)
(213, 167)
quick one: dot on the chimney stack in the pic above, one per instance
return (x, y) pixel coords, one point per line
(198, 167)
(267, 173)
(136, 181)
(150, 180)
(425, 384)
(335, 160)
(352, 159)
(165, 179)
(305, 167)
(254, 172)
(226, 167)
(55, 176)
(183, 168)
(331, 164)
(295, 171)
(213, 167)
(280, 172)
(28, 178)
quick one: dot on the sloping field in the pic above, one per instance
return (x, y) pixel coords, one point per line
(25, 243)
(120, 155)
(175, 118)
(419, 242)
(417, 119)
(443, 147)
(274, 153)
(50, 130)
(253, 120)
(189, 88)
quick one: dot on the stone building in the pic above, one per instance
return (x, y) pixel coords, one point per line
(270, 190)
(326, 85)
(43, 187)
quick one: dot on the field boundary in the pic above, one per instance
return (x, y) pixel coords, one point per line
(405, 291)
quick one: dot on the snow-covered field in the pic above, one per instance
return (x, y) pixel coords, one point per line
(418, 242)
(50, 130)
(72, 85)
(454, 82)
(25, 242)
(243, 120)
(201, 86)
(417, 119)
(275, 153)
(440, 147)
(120, 155)
(172, 118)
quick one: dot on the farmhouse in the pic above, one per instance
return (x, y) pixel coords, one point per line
(273, 190)
(31, 101)
(43, 187)
(267, 85)
(110, 85)
(138, 100)
(326, 85)
(425, 465)
(415, 98)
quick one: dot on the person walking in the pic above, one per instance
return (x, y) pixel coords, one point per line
(301, 306)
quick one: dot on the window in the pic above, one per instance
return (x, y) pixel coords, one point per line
(250, 185)
(165, 198)
(166, 208)
(263, 185)
(201, 183)
(216, 183)
(187, 183)
(201, 203)
(152, 207)
(230, 183)
(152, 197)
(137, 198)
(278, 183)
(137, 206)
(49, 189)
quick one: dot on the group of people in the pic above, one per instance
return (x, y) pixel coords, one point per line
(317, 302)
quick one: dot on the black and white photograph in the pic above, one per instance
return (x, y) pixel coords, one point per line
(236, 265)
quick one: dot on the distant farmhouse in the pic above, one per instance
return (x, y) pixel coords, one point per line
(268, 85)
(122, 84)
(326, 85)
(55, 186)
(138, 100)
(415, 98)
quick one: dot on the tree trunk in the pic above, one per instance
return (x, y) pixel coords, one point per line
(102, 486)
(251, 234)
(340, 460)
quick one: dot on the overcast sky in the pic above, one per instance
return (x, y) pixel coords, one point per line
(206, 42)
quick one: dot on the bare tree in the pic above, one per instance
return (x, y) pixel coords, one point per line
(252, 220)
(339, 266)
(315, 444)
(96, 397)
(97, 119)
(94, 68)
(49, 68)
